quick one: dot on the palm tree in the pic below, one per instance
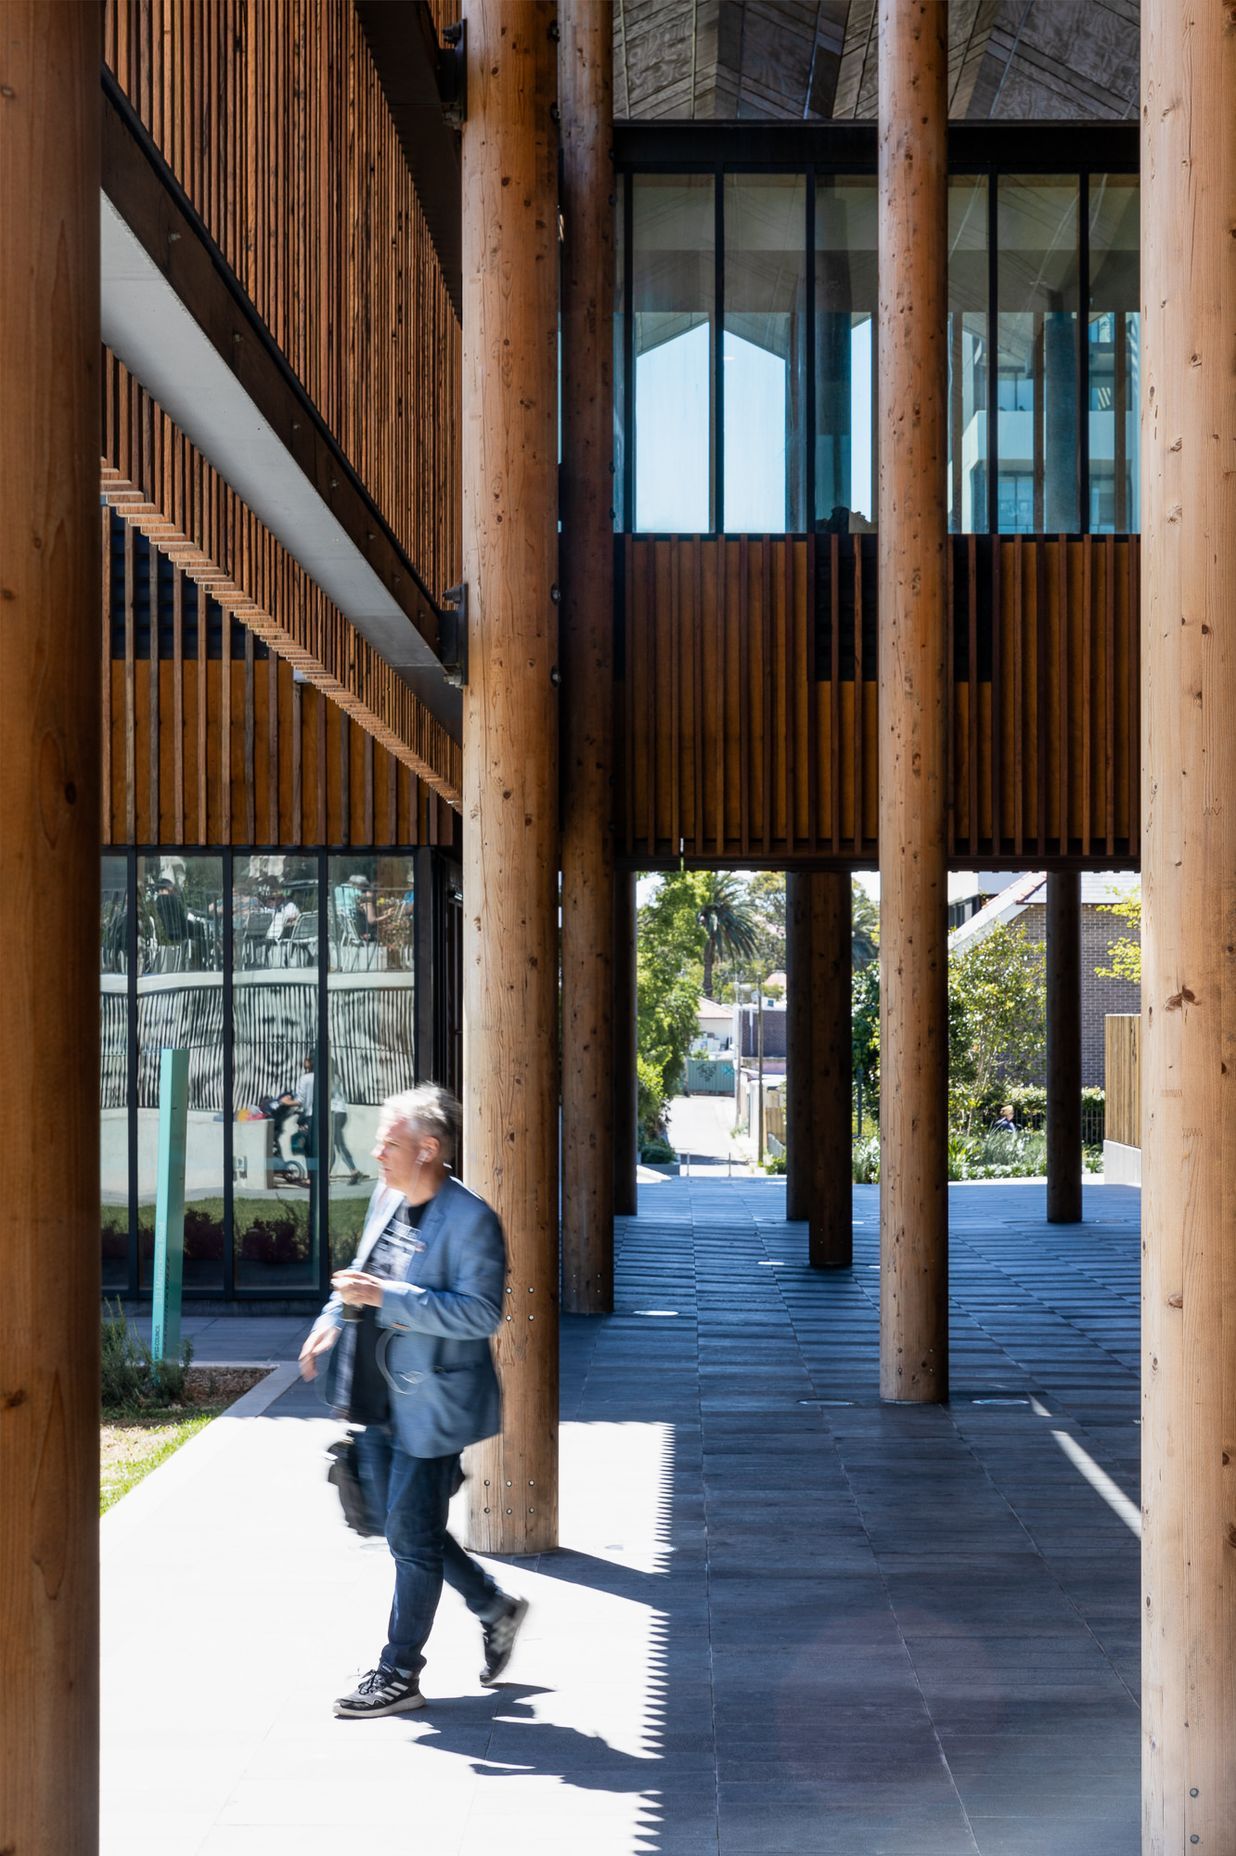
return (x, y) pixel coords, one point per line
(729, 923)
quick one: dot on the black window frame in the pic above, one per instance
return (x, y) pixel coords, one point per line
(842, 150)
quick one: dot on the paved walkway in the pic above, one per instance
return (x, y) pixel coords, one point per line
(785, 1619)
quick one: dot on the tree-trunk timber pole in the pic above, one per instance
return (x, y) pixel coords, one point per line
(819, 1070)
(626, 1089)
(799, 1068)
(510, 735)
(1188, 1058)
(49, 925)
(831, 1221)
(586, 83)
(1064, 1084)
(913, 182)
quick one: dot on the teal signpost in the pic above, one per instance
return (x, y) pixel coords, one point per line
(169, 1254)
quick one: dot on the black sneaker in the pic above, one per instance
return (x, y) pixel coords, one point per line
(382, 1691)
(500, 1638)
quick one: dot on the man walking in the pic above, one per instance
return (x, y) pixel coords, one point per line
(404, 1341)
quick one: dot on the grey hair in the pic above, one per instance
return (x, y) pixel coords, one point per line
(432, 1110)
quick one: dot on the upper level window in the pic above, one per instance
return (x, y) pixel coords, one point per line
(846, 295)
(673, 297)
(764, 352)
(968, 350)
(1037, 267)
(748, 389)
(1114, 348)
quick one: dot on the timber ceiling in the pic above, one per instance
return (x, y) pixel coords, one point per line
(809, 60)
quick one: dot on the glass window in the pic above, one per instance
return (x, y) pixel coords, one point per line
(114, 1073)
(180, 1006)
(967, 354)
(275, 1130)
(1036, 344)
(620, 363)
(1113, 335)
(372, 1003)
(673, 297)
(846, 299)
(764, 359)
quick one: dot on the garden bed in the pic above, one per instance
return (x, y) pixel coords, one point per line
(133, 1442)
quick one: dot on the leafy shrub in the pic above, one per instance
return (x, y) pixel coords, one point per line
(865, 1161)
(275, 1240)
(775, 1163)
(657, 1153)
(131, 1378)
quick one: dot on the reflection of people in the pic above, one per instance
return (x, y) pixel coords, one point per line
(1004, 1123)
(304, 1089)
(171, 916)
(284, 913)
(338, 1122)
(407, 1333)
(365, 909)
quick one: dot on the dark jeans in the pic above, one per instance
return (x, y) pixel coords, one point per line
(338, 1122)
(413, 1493)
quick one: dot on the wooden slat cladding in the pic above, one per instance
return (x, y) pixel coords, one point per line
(163, 486)
(747, 700)
(227, 749)
(1122, 1078)
(271, 116)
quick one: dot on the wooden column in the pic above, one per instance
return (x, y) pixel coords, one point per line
(626, 1090)
(510, 736)
(49, 925)
(1188, 1058)
(913, 701)
(798, 1034)
(586, 74)
(1064, 1068)
(820, 1067)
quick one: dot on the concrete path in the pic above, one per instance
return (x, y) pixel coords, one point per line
(785, 1619)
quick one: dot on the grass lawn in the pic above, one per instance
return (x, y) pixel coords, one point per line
(132, 1443)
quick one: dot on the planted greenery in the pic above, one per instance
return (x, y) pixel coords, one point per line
(132, 1379)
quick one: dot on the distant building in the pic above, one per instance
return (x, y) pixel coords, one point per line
(1024, 900)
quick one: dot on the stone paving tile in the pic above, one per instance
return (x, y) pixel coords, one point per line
(786, 1618)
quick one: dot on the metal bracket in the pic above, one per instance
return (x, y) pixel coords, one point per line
(453, 73)
(453, 635)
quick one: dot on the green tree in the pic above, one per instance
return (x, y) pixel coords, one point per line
(865, 1033)
(1125, 954)
(731, 931)
(865, 927)
(766, 895)
(997, 1032)
(669, 977)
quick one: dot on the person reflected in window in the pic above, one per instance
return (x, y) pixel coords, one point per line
(338, 1144)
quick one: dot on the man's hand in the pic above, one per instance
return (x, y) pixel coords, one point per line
(357, 1289)
(320, 1341)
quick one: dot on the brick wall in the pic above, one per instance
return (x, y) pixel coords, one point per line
(1099, 997)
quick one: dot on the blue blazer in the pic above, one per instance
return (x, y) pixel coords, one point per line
(434, 1346)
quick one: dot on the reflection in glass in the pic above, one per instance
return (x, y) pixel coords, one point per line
(114, 1072)
(846, 299)
(274, 907)
(1113, 331)
(764, 352)
(967, 355)
(372, 1005)
(1036, 342)
(180, 1006)
(673, 295)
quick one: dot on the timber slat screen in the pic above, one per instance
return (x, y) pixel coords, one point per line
(161, 483)
(1122, 1078)
(209, 738)
(272, 119)
(747, 699)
